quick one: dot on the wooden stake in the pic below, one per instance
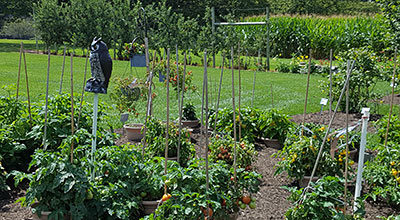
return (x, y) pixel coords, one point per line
(72, 108)
(47, 102)
(83, 89)
(167, 126)
(27, 87)
(347, 143)
(206, 133)
(330, 81)
(181, 107)
(254, 86)
(392, 98)
(240, 85)
(219, 95)
(19, 68)
(308, 85)
(62, 70)
(234, 117)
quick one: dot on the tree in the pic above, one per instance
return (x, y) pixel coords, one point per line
(391, 11)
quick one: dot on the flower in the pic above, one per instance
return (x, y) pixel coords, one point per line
(134, 48)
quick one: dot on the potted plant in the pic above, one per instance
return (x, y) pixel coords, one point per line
(136, 53)
(273, 128)
(126, 94)
(189, 118)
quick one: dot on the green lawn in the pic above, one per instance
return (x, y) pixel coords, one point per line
(288, 89)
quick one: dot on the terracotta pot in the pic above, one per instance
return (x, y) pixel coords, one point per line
(191, 124)
(304, 182)
(272, 143)
(133, 131)
(150, 206)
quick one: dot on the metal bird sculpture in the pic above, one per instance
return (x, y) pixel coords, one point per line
(100, 66)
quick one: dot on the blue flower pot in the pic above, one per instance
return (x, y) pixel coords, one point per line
(161, 77)
(138, 61)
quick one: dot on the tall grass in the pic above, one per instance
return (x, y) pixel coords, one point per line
(296, 35)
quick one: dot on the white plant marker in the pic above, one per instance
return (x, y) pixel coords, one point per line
(365, 118)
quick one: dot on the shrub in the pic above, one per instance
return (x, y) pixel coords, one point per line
(19, 29)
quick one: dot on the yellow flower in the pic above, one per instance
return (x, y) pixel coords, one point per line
(391, 163)
(315, 136)
(341, 137)
(394, 172)
(340, 159)
(322, 129)
(283, 158)
(329, 139)
(398, 179)
(351, 163)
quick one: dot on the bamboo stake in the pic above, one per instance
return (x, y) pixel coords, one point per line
(181, 107)
(47, 102)
(167, 126)
(62, 70)
(19, 68)
(83, 89)
(149, 104)
(347, 143)
(219, 94)
(330, 81)
(240, 85)
(27, 87)
(254, 86)
(308, 85)
(234, 117)
(72, 108)
(392, 98)
(177, 78)
(206, 133)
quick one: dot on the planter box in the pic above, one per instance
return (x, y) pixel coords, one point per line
(133, 132)
(304, 182)
(150, 206)
(138, 61)
(191, 124)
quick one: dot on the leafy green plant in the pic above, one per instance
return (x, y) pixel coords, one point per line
(394, 129)
(161, 68)
(323, 201)
(365, 75)
(299, 154)
(189, 198)
(155, 139)
(189, 112)
(222, 149)
(131, 49)
(383, 174)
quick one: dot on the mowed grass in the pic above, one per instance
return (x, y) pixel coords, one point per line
(283, 91)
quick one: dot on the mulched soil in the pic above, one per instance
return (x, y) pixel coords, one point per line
(271, 199)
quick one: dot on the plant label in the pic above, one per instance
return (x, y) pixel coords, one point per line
(324, 101)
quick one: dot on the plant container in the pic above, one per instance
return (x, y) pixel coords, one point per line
(133, 131)
(150, 206)
(191, 123)
(138, 61)
(173, 158)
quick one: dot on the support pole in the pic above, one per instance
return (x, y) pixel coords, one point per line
(392, 98)
(27, 87)
(240, 85)
(167, 125)
(330, 81)
(62, 70)
(254, 86)
(360, 168)
(94, 130)
(149, 103)
(308, 85)
(268, 33)
(44, 142)
(19, 68)
(213, 34)
(72, 108)
(347, 144)
(83, 89)
(234, 117)
(219, 95)
(206, 135)
(181, 106)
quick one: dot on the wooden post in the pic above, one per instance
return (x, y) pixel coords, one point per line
(219, 95)
(308, 85)
(392, 97)
(240, 82)
(47, 102)
(167, 125)
(347, 143)
(83, 89)
(181, 106)
(213, 34)
(330, 82)
(206, 132)
(234, 117)
(72, 108)
(19, 68)
(27, 87)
